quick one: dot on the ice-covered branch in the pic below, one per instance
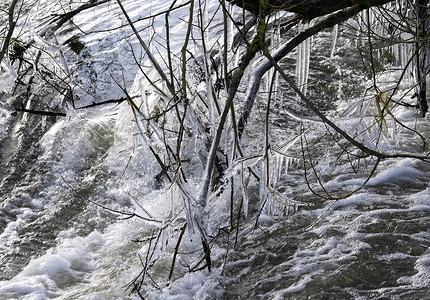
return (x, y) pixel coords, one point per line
(365, 150)
(252, 49)
(254, 85)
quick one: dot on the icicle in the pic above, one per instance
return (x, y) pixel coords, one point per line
(359, 31)
(405, 52)
(151, 29)
(335, 34)
(279, 164)
(263, 181)
(371, 17)
(245, 202)
(340, 94)
(396, 52)
(268, 209)
(163, 237)
(287, 165)
(213, 115)
(302, 64)
(395, 134)
(277, 39)
(268, 77)
(230, 27)
(196, 128)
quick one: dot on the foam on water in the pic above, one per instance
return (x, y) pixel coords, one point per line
(51, 274)
(194, 286)
(101, 265)
(403, 172)
(98, 153)
(5, 119)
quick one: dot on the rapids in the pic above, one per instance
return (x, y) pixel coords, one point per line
(65, 179)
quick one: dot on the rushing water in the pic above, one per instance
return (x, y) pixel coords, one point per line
(56, 241)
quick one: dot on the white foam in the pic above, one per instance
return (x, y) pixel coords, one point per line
(403, 172)
(5, 119)
(294, 288)
(194, 286)
(422, 265)
(51, 274)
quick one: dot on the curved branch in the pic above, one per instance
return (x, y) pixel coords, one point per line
(366, 150)
(328, 22)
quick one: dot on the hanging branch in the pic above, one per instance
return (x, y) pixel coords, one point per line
(265, 66)
(336, 199)
(184, 83)
(127, 215)
(365, 150)
(60, 19)
(177, 250)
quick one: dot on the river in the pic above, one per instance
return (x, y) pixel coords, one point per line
(84, 206)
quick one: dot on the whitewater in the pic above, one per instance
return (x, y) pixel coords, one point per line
(85, 206)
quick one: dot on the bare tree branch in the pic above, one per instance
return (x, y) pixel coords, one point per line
(12, 25)
(265, 66)
(366, 150)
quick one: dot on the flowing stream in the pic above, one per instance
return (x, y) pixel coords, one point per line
(59, 173)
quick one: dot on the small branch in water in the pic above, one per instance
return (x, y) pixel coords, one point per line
(176, 250)
(40, 112)
(58, 114)
(127, 215)
(207, 252)
(94, 104)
